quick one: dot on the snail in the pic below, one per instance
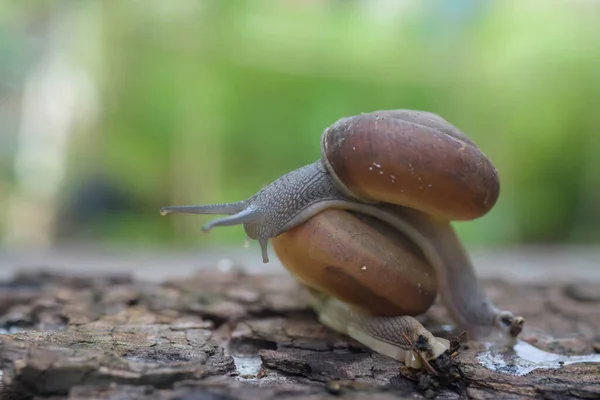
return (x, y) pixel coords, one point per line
(366, 229)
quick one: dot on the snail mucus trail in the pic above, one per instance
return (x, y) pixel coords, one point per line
(367, 230)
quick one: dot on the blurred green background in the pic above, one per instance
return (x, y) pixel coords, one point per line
(111, 109)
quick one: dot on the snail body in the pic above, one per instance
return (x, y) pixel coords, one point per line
(366, 229)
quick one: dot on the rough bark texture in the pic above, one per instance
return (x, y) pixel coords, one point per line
(228, 335)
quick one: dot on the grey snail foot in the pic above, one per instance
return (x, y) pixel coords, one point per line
(402, 338)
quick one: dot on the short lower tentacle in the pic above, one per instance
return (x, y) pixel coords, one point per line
(263, 249)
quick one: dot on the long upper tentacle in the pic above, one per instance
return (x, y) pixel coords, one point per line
(223, 208)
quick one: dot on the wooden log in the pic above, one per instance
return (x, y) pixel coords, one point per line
(229, 335)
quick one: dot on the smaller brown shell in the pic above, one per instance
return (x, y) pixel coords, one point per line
(359, 260)
(414, 159)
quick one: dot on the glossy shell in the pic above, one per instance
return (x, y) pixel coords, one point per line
(411, 158)
(368, 265)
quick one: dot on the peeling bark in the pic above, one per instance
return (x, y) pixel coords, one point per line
(235, 336)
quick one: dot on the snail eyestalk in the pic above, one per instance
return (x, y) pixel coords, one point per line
(209, 209)
(243, 217)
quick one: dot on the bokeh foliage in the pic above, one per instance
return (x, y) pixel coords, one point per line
(207, 101)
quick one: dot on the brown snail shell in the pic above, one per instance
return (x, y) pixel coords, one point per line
(413, 159)
(359, 260)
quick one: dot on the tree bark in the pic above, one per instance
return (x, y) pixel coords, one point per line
(229, 335)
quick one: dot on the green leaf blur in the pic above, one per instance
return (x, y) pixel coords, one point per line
(208, 101)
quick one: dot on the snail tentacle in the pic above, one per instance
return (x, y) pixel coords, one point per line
(224, 208)
(246, 216)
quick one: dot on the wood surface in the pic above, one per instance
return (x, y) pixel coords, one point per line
(232, 335)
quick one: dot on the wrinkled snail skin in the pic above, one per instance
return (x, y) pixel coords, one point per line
(411, 170)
